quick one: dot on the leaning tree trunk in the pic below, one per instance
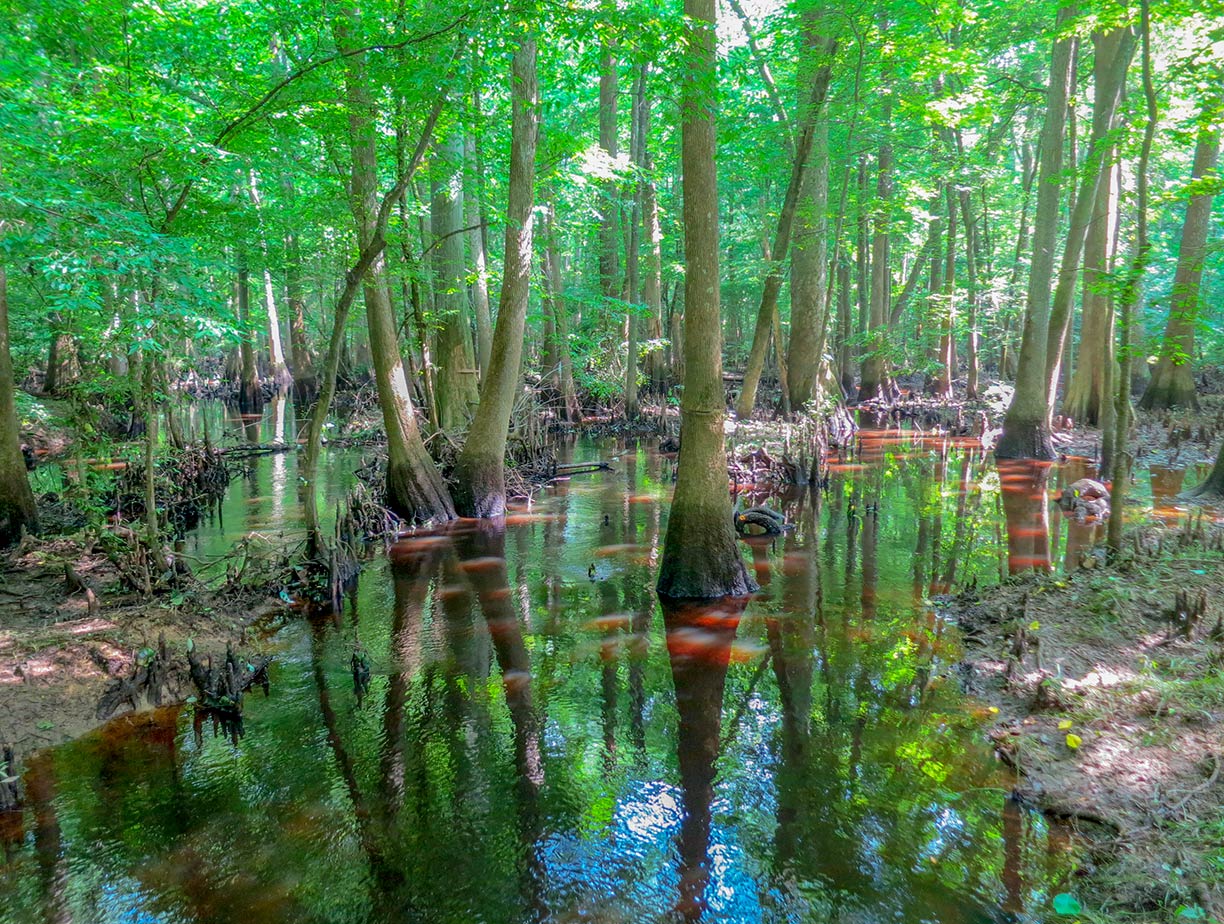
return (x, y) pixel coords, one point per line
(414, 487)
(480, 483)
(1172, 382)
(782, 236)
(17, 510)
(1026, 428)
(701, 556)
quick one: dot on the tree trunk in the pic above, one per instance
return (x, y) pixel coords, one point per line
(305, 379)
(1026, 428)
(554, 303)
(652, 284)
(457, 386)
(701, 556)
(609, 218)
(773, 281)
(250, 395)
(1088, 395)
(415, 490)
(809, 262)
(1132, 294)
(277, 370)
(972, 244)
(17, 510)
(1172, 382)
(874, 382)
(639, 126)
(1114, 51)
(480, 485)
(474, 204)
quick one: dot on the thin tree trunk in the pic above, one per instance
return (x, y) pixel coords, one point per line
(701, 556)
(479, 471)
(639, 126)
(809, 262)
(474, 203)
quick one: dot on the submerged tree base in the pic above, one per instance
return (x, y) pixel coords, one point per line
(480, 486)
(1026, 440)
(702, 560)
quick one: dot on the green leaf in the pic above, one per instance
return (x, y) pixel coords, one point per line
(1066, 903)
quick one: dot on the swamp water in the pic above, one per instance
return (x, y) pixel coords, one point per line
(540, 740)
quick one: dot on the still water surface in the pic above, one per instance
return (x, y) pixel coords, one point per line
(541, 741)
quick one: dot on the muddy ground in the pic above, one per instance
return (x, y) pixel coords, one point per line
(1109, 704)
(59, 654)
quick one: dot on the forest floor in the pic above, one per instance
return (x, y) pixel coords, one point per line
(1109, 705)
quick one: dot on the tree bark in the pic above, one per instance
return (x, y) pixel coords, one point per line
(480, 484)
(17, 509)
(554, 302)
(1114, 50)
(701, 556)
(277, 368)
(250, 395)
(474, 203)
(457, 386)
(1026, 428)
(1172, 382)
(305, 379)
(874, 381)
(782, 236)
(809, 262)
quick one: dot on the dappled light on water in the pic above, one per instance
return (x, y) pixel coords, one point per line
(540, 740)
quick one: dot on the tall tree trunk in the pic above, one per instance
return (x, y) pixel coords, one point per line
(250, 395)
(277, 370)
(609, 216)
(773, 281)
(701, 556)
(17, 510)
(1026, 428)
(480, 484)
(305, 380)
(947, 336)
(457, 386)
(874, 382)
(639, 126)
(972, 248)
(414, 487)
(554, 301)
(474, 204)
(1131, 297)
(809, 262)
(1114, 50)
(1172, 382)
(652, 283)
(1089, 396)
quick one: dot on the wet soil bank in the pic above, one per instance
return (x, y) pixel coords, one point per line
(60, 653)
(1109, 693)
